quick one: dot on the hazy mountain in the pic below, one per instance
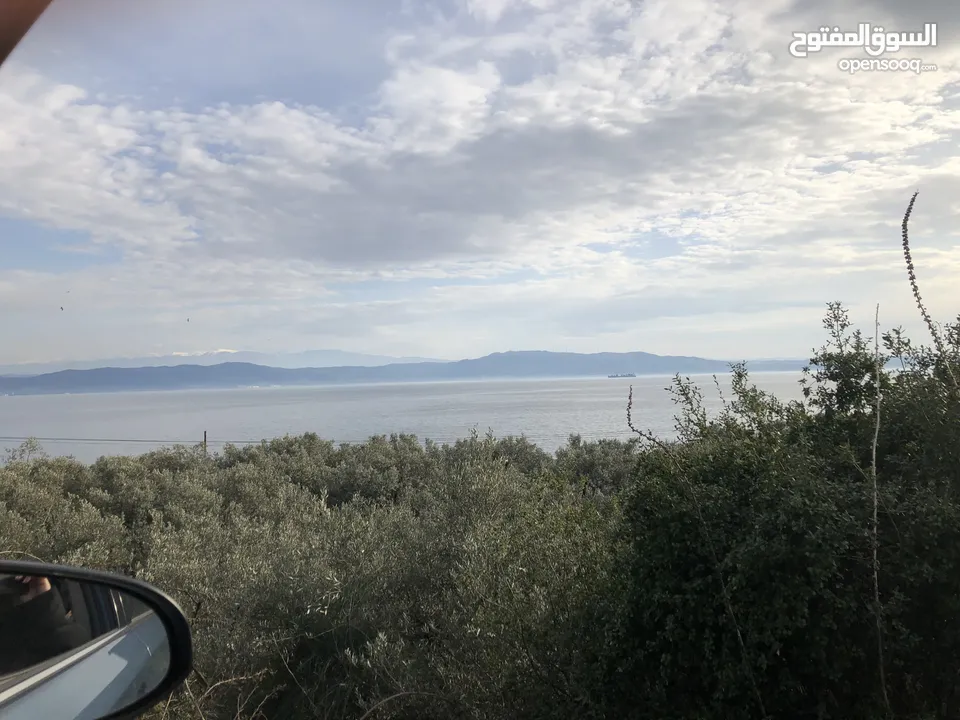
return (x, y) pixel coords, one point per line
(309, 358)
(533, 364)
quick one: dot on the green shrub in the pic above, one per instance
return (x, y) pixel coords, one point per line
(725, 573)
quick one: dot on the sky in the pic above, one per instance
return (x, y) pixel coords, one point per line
(458, 177)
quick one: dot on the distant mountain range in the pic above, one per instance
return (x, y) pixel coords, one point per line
(526, 364)
(309, 358)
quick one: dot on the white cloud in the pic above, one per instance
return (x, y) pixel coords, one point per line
(559, 174)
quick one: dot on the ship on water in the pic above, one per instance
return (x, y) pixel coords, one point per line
(620, 375)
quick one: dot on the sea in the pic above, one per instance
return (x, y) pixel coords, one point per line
(546, 411)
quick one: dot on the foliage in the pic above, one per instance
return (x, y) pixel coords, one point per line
(725, 573)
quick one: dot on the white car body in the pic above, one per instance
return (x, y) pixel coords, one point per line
(104, 675)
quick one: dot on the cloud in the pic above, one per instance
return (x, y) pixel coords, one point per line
(468, 177)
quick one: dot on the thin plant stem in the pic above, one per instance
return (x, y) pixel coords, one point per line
(877, 607)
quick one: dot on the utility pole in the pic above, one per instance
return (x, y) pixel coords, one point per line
(204, 442)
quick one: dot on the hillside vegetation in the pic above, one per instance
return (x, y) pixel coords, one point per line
(778, 560)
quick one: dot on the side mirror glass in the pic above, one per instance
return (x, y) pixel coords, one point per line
(86, 645)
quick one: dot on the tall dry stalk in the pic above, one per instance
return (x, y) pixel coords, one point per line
(912, 276)
(877, 607)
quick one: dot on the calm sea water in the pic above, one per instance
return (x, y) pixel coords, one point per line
(546, 411)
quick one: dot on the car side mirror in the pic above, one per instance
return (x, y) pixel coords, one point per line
(86, 645)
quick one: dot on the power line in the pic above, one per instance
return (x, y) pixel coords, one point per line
(128, 440)
(536, 439)
(131, 441)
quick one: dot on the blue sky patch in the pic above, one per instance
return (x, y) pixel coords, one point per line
(27, 245)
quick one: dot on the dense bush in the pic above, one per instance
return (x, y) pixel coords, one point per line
(736, 571)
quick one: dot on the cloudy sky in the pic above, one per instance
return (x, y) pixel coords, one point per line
(450, 178)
